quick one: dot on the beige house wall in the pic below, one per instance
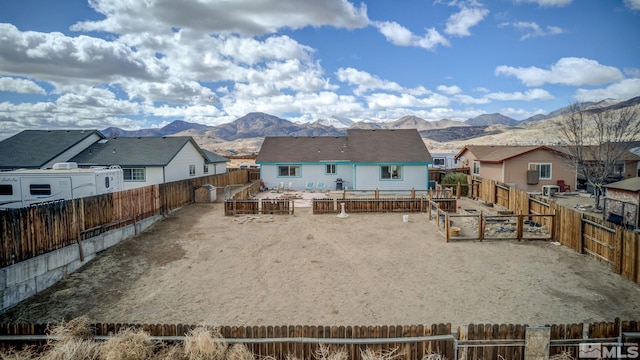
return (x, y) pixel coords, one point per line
(516, 170)
(491, 171)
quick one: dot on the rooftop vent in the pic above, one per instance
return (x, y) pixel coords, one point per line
(65, 166)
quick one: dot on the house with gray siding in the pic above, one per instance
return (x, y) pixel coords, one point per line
(362, 160)
(152, 160)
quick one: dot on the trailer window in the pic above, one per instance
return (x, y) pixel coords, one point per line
(40, 189)
(6, 190)
(106, 182)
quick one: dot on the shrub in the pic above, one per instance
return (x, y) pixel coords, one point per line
(455, 179)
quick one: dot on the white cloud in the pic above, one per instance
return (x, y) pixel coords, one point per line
(366, 82)
(529, 95)
(632, 4)
(61, 59)
(621, 90)
(567, 71)
(401, 36)
(547, 3)
(382, 101)
(534, 30)
(449, 90)
(172, 91)
(247, 17)
(459, 23)
(21, 86)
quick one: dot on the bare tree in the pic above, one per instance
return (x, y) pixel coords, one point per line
(597, 141)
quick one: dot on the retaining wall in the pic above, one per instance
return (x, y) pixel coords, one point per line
(27, 278)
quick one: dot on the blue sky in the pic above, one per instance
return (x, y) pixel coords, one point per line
(134, 64)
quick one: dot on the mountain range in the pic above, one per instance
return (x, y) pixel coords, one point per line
(258, 125)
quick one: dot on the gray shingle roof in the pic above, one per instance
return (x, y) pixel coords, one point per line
(133, 151)
(212, 157)
(631, 184)
(359, 146)
(35, 148)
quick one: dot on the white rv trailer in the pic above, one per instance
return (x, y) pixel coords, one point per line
(22, 188)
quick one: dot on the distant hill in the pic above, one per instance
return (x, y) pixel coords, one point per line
(492, 119)
(251, 129)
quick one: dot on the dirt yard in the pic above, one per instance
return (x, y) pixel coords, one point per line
(200, 267)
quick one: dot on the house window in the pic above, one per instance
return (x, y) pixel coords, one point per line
(391, 172)
(6, 190)
(40, 189)
(476, 168)
(133, 174)
(544, 170)
(618, 169)
(438, 161)
(192, 170)
(330, 169)
(289, 170)
(205, 169)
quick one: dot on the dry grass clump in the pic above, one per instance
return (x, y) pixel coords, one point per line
(205, 344)
(565, 355)
(239, 352)
(72, 349)
(128, 344)
(72, 341)
(390, 354)
(76, 329)
(325, 353)
(433, 356)
(13, 354)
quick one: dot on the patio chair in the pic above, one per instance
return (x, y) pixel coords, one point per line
(280, 186)
(320, 186)
(309, 186)
(563, 187)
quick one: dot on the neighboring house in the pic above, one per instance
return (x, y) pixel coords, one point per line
(214, 164)
(40, 149)
(527, 168)
(362, 160)
(444, 160)
(152, 160)
(622, 202)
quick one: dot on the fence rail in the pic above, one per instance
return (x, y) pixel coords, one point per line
(373, 205)
(412, 342)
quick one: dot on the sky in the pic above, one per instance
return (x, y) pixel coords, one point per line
(135, 64)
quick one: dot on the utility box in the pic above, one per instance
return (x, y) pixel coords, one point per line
(550, 190)
(206, 194)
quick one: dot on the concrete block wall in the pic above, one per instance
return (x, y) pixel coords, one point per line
(27, 278)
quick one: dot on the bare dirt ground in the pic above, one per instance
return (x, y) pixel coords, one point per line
(200, 267)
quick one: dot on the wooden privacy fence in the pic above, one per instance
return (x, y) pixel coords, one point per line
(32, 231)
(258, 206)
(352, 205)
(411, 342)
(613, 244)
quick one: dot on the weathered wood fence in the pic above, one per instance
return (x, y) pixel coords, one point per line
(259, 206)
(380, 205)
(613, 244)
(32, 231)
(411, 342)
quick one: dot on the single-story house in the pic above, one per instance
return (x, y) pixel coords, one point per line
(40, 149)
(622, 202)
(527, 168)
(362, 160)
(152, 160)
